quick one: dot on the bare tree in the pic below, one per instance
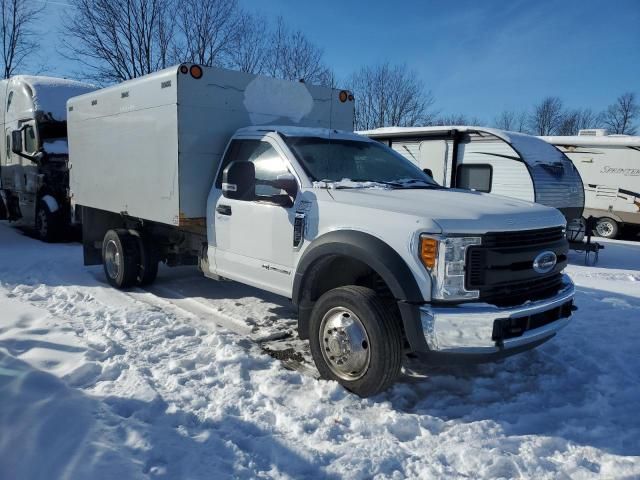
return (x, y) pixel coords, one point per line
(250, 46)
(619, 118)
(208, 30)
(389, 95)
(18, 38)
(292, 56)
(118, 39)
(575, 120)
(457, 119)
(546, 117)
(511, 121)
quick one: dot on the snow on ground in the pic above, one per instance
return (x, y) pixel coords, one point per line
(96, 383)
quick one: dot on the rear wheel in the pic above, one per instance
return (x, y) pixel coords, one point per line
(47, 223)
(356, 340)
(120, 258)
(607, 228)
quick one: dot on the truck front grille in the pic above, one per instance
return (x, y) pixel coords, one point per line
(501, 268)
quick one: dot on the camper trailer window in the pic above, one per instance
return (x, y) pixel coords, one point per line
(474, 177)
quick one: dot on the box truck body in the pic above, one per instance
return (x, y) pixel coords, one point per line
(156, 141)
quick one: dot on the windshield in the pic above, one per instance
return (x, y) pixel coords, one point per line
(331, 160)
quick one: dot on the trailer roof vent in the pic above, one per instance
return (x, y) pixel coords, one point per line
(593, 132)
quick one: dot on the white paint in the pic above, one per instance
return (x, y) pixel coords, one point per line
(267, 99)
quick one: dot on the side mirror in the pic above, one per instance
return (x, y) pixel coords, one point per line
(239, 181)
(288, 183)
(428, 172)
(16, 141)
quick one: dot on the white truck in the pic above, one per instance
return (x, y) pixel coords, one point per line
(193, 165)
(34, 174)
(610, 168)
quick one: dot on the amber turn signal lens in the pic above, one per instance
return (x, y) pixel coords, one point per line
(196, 71)
(428, 252)
(343, 96)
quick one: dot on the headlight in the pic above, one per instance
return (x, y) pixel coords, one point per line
(445, 259)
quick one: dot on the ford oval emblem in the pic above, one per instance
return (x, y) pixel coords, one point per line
(544, 262)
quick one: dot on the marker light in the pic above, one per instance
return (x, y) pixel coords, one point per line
(184, 69)
(343, 96)
(428, 252)
(196, 71)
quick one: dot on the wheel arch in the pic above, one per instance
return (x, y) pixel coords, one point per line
(353, 249)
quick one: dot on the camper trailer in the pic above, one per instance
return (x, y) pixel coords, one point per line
(492, 161)
(610, 169)
(34, 174)
(260, 181)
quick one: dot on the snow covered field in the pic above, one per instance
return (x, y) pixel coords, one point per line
(96, 383)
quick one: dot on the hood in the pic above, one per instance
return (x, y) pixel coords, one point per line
(455, 211)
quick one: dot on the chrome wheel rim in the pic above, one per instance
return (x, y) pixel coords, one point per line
(112, 259)
(345, 344)
(604, 229)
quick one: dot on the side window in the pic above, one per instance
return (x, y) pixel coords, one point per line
(268, 163)
(9, 98)
(8, 148)
(30, 143)
(474, 177)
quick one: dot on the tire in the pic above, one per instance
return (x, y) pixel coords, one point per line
(607, 228)
(381, 342)
(149, 260)
(120, 258)
(47, 223)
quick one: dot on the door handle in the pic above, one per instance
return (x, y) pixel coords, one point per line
(223, 209)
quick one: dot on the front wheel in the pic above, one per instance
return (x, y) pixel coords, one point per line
(356, 340)
(607, 228)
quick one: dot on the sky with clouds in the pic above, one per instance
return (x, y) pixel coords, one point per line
(477, 57)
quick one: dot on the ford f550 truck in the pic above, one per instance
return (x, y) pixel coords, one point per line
(34, 173)
(260, 181)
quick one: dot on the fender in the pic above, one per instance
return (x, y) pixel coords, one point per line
(380, 257)
(51, 202)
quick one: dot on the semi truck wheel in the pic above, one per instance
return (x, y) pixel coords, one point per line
(120, 258)
(356, 340)
(149, 260)
(607, 228)
(47, 223)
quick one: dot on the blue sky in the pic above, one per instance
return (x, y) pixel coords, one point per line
(477, 57)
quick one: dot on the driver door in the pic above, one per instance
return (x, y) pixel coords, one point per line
(254, 238)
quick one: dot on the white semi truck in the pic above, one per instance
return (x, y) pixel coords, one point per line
(34, 174)
(193, 165)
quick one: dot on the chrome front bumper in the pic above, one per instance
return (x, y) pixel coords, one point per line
(468, 328)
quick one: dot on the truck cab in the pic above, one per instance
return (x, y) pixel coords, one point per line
(34, 176)
(380, 261)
